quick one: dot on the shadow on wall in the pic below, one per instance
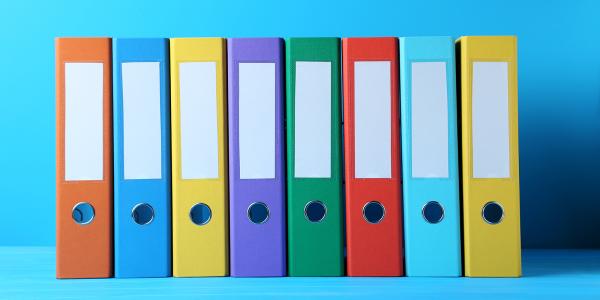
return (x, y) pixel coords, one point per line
(564, 207)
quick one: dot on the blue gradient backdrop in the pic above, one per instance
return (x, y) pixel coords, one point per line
(559, 88)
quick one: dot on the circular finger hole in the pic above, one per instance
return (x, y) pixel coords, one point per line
(315, 211)
(200, 214)
(433, 212)
(83, 213)
(373, 212)
(258, 213)
(142, 213)
(492, 213)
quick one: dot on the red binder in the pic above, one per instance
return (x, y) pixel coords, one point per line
(84, 195)
(373, 183)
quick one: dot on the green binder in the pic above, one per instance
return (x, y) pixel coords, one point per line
(314, 174)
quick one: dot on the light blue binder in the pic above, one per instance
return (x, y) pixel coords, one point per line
(430, 156)
(142, 158)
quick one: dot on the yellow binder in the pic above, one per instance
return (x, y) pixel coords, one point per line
(198, 118)
(490, 157)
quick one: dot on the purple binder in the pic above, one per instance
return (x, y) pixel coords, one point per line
(256, 157)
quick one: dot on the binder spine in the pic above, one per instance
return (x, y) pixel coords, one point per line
(432, 249)
(372, 249)
(314, 248)
(199, 249)
(492, 247)
(84, 250)
(133, 257)
(257, 248)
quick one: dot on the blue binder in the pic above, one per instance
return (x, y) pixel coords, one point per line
(142, 158)
(430, 157)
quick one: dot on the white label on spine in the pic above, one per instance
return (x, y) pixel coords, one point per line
(372, 117)
(429, 120)
(198, 120)
(256, 120)
(84, 91)
(491, 157)
(312, 120)
(141, 120)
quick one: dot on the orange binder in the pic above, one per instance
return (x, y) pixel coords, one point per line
(84, 201)
(372, 151)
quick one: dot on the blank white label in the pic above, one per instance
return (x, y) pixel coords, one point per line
(372, 118)
(141, 120)
(312, 120)
(198, 117)
(429, 120)
(490, 120)
(83, 121)
(257, 120)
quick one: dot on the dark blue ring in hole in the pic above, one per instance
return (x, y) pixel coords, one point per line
(83, 213)
(258, 213)
(142, 213)
(492, 213)
(200, 214)
(373, 212)
(315, 211)
(433, 212)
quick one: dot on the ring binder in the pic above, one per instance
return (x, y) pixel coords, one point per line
(256, 157)
(314, 171)
(372, 151)
(84, 199)
(142, 163)
(430, 157)
(490, 155)
(199, 165)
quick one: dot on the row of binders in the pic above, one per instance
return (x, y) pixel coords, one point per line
(239, 157)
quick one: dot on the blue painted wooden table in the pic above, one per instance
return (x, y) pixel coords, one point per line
(28, 273)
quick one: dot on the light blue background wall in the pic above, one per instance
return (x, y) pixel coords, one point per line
(559, 88)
